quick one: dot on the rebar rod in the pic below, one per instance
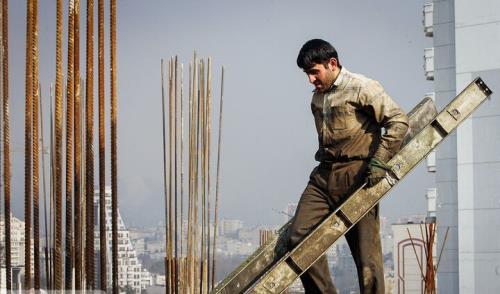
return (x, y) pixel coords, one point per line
(164, 151)
(442, 248)
(28, 140)
(89, 148)
(196, 172)
(102, 154)
(425, 240)
(182, 160)
(209, 132)
(52, 200)
(52, 177)
(114, 166)
(36, 151)
(416, 256)
(77, 151)
(193, 172)
(182, 276)
(218, 179)
(429, 273)
(189, 244)
(83, 215)
(170, 280)
(69, 149)
(176, 231)
(6, 140)
(44, 189)
(203, 113)
(201, 169)
(58, 149)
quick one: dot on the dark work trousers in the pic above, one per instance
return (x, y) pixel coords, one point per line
(328, 186)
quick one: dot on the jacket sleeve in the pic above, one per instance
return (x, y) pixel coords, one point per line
(388, 115)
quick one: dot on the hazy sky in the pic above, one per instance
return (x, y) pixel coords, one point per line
(269, 137)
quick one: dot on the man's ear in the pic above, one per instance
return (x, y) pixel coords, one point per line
(332, 63)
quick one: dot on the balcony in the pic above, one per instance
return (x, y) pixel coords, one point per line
(431, 201)
(431, 162)
(429, 63)
(427, 19)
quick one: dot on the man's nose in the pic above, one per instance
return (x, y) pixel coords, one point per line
(311, 78)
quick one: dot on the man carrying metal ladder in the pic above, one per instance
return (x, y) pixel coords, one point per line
(350, 112)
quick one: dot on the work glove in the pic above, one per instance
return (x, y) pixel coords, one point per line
(377, 170)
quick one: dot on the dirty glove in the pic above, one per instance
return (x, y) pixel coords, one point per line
(377, 170)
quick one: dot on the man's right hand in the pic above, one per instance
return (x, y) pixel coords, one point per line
(377, 170)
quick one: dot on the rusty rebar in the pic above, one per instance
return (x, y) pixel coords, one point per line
(416, 256)
(77, 152)
(189, 245)
(103, 247)
(58, 150)
(170, 177)
(196, 156)
(114, 166)
(208, 143)
(191, 183)
(182, 158)
(6, 140)
(36, 151)
(175, 118)
(89, 148)
(28, 140)
(44, 189)
(164, 151)
(52, 198)
(203, 139)
(442, 248)
(182, 271)
(218, 178)
(50, 235)
(69, 149)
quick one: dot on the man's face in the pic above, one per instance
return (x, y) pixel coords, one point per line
(322, 76)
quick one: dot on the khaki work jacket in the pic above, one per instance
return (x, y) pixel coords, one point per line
(350, 117)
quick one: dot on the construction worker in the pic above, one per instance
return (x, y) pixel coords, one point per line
(359, 129)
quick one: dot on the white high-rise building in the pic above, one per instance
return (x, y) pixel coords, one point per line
(466, 39)
(17, 243)
(130, 271)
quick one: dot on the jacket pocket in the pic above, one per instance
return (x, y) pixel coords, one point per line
(338, 117)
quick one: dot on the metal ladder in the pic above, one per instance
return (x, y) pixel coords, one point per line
(272, 268)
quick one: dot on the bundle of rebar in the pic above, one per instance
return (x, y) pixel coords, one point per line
(190, 261)
(74, 255)
(429, 269)
(189, 270)
(265, 235)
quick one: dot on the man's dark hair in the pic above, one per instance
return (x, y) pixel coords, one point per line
(316, 51)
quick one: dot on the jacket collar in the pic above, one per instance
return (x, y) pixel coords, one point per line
(340, 82)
